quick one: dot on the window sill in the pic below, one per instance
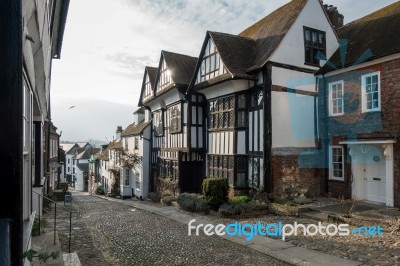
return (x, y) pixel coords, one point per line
(175, 132)
(336, 180)
(313, 65)
(334, 115)
(371, 111)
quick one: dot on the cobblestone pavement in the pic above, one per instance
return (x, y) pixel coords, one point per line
(128, 236)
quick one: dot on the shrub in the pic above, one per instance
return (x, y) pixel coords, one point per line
(239, 199)
(100, 191)
(281, 201)
(192, 203)
(242, 208)
(226, 209)
(35, 228)
(215, 191)
(154, 197)
(167, 200)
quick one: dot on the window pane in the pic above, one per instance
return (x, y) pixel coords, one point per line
(375, 78)
(307, 33)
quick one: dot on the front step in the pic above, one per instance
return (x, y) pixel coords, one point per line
(59, 195)
(315, 215)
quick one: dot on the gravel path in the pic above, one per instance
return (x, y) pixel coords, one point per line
(129, 236)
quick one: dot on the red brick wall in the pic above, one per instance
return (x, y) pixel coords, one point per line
(286, 172)
(389, 118)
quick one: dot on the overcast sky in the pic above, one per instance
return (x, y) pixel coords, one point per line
(107, 44)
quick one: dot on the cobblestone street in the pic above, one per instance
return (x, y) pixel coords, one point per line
(128, 236)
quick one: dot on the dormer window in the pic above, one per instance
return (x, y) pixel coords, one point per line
(165, 77)
(314, 43)
(211, 63)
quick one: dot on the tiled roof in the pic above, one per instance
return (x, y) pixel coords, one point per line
(236, 52)
(102, 155)
(76, 149)
(87, 153)
(378, 31)
(134, 130)
(152, 72)
(67, 146)
(269, 31)
(115, 145)
(181, 67)
(252, 48)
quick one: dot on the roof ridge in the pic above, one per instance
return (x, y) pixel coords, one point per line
(372, 15)
(232, 35)
(173, 53)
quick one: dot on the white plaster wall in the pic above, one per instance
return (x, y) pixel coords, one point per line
(293, 79)
(79, 179)
(292, 120)
(226, 87)
(291, 49)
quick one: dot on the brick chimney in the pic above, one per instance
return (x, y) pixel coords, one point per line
(118, 133)
(334, 16)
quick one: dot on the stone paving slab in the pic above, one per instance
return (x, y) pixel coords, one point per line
(71, 259)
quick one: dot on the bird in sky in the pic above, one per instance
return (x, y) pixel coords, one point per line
(73, 106)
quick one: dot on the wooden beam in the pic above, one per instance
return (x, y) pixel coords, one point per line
(267, 72)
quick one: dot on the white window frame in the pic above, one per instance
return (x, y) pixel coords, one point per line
(364, 92)
(331, 99)
(331, 162)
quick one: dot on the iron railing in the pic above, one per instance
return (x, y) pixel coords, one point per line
(55, 217)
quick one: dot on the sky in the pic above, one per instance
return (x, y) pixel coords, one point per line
(107, 44)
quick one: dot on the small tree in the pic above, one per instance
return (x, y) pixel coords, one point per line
(130, 160)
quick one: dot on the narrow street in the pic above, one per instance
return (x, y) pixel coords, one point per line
(127, 236)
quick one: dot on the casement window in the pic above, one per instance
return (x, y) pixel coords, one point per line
(126, 144)
(158, 126)
(241, 172)
(254, 179)
(137, 181)
(165, 77)
(136, 143)
(175, 118)
(69, 161)
(73, 170)
(256, 100)
(69, 169)
(222, 113)
(221, 166)
(168, 168)
(370, 92)
(314, 43)
(210, 64)
(126, 177)
(242, 110)
(336, 158)
(336, 103)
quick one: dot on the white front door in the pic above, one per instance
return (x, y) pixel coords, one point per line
(375, 174)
